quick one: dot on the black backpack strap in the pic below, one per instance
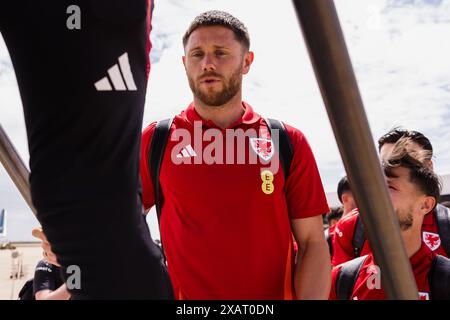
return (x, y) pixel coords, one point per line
(439, 278)
(443, 222)
(284, 145)
(346, 278)
(155, 158)
(358, 237)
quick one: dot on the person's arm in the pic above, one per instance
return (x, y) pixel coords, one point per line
(49, 256)
(148, 198)
(48, 283)
(312, 277)
(59, 294)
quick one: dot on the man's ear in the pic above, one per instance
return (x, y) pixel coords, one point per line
(184, 61)
(429, 164)
(332, 222)
(428, 204)
(248, 60)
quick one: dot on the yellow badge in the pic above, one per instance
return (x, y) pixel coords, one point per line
(267, 185)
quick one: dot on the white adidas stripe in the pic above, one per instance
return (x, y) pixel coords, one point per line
(126, 71)
(116, 78)
(190, 150)
(103, 85)
(187, 152)
(119, 77)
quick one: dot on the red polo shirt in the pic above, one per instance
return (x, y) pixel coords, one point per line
(345, 228)
(226, 227)
(421, 263)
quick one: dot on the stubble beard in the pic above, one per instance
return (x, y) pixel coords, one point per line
(218, 98)
(405, 219)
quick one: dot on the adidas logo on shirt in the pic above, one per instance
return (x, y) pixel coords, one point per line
(120, 76)
(187, 152)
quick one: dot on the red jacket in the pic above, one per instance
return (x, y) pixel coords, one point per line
(343, 235)
(364, 289)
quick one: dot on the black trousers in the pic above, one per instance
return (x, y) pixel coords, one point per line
(83, 94)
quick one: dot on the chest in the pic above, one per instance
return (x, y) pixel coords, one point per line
(222, 163)
(369, 285)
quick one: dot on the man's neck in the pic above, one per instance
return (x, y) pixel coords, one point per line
(412, 241)
(223, 116)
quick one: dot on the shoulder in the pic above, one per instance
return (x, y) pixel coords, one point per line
(296, 136)
(300, 145)
(350, 218)
(147, 134)
(148, 130)
(44, 266)
(177, 122)
(44, 270)
(347, 223)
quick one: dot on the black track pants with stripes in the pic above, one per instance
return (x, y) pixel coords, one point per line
(82, 75)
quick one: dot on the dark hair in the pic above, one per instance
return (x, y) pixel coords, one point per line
(343, 186)
(419, 173)
(397, 133)
(219, 18)
(335, 213)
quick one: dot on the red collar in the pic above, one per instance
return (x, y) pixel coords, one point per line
(428, 220)
(419, 257)
(249, 116)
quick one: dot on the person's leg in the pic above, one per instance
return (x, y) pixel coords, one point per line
(83, 96)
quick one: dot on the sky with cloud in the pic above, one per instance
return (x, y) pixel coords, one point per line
(399, 50)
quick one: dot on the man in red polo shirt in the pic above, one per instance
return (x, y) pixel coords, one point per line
(345, 196)
(414, 191)
(344, 246)
(227, 220)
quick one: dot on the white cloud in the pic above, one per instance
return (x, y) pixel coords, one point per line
(402, 67)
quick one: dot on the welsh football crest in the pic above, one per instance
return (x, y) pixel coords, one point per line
(424, 296)
(432, 240)
(264, 148)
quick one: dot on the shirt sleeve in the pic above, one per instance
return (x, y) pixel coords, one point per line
(148, 197)
(342, 241)
(45, 276)
(304, 190)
